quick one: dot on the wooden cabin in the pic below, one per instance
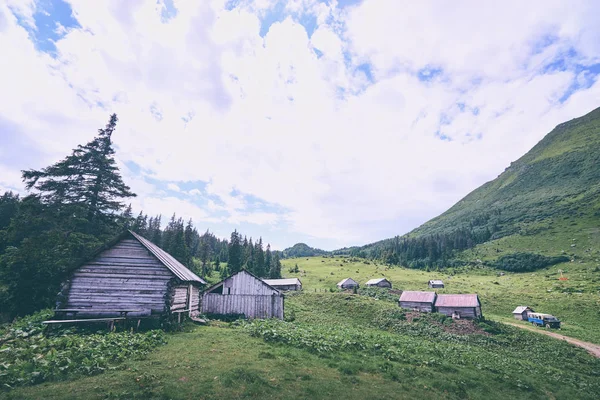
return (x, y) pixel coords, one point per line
(436, 284)
(243, 293)
(134, 275)
(418, 301)
(380, 282)
(347, 283)
(285, 284)
(522, 312)
(459, 305)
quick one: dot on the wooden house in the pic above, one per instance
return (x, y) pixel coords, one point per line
(418, 301)
(522, 312)
(134, 275)
(284, 284)
(347, 283)
(380, 282)
(243, 293)
(436, 284)
(459, 305)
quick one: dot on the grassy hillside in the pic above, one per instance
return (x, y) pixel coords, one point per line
(343, 343)
(552, 192)
(576, 301)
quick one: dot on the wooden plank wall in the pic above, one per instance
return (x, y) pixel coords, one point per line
(413, 305)
(126, 276)
(252, 306)
(244, 283)
(179, 297)
(195, 300)
(465, 312)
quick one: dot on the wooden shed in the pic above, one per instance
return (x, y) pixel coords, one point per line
(285, 284)
(347, 283)
(436, 284)
(459, 305)
(243, 293)
(418, 301)
(522, 312)
(131, 274)
(380, 282)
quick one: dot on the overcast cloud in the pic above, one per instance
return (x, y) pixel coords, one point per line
(335, 123)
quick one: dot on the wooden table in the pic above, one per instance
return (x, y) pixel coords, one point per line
(75, 311)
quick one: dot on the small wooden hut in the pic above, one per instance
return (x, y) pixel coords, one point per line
(347, 283)
(459, 305)
(436, 284)
(418, 301)
(522, 312)
(380, 282)
(131, 274)
(285, 284)
(243, 293)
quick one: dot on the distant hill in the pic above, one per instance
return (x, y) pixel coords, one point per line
(548, 191)
(302, 250)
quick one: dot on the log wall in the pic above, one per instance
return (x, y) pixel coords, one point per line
(252, 306)
(464, 312)
(126, 276)
(417, 306)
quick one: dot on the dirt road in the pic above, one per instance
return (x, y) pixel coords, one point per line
(592, 348)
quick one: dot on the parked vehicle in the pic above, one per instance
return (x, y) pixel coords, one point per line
(547, 320)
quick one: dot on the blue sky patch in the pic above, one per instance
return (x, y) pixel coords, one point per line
(309, 22)
(168, 11)
(428, 73)
(53, 19)
(275, 14)
(366, 69)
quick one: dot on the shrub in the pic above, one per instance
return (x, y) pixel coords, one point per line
(525, 262)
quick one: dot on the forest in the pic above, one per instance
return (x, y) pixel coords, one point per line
(75, 206)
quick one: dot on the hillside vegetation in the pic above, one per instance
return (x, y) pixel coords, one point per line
(338, 343)
(302, 250)
(556, 185)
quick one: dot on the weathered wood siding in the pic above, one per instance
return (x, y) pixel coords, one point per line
(382, 284)
(244, 283)
(126, 276)
(464, 312)
(252, 306)
(195, 301)
(179, 297)
(417, 306)
(287, 287)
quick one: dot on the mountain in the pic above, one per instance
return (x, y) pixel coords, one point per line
(302, 250)
(552, 190)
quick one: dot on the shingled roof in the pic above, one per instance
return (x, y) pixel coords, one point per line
(457, 300)
(418, 297)
(168, 260)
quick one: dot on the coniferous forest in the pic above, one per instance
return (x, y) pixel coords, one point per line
(75, 206)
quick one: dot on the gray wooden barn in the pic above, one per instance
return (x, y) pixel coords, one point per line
(380, 282)
(132, 273)
(243, 293)
(522, 312)
(347, 283)
(459, 305)
(418, 301)
(436, 284)
(285, 284)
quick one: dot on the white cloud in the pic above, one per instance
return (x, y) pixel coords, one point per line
(204, 98)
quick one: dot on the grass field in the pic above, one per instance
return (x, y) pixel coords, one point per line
(576, 301)
(342, 344)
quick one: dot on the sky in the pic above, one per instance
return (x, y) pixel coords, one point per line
(334, 123)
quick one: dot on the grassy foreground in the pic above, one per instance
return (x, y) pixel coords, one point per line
(342, 343)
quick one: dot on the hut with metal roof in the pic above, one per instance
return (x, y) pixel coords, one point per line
(347, 283)
(243, 294)
(459, 305)
(131, 275)
(379, 282)
(285, 283)
(418, 301)
(436, 284)
(522, 312)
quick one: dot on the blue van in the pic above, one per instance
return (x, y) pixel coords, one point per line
(547, 320)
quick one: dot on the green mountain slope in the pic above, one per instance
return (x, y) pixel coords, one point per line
(552, 188)
(302, 250)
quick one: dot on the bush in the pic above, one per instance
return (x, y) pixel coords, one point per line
(28, 356)
(525, 262)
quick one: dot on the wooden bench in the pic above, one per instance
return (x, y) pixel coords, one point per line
(110, 321)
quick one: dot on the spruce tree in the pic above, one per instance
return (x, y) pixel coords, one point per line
(275, 272)
(268, 260)
(234, 263)
(88, 181)
(259, 259)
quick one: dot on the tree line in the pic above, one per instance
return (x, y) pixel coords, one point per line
(74, 207)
